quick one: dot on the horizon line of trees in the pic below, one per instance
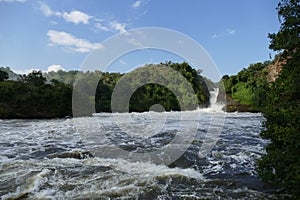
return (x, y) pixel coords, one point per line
(33, 96)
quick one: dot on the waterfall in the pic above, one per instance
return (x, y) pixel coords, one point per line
(214, 106)
(213, 97)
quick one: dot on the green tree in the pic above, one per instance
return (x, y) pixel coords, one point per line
(32, 97)
(3, 75)
(149, 94)
(35, 78)
(281, 164)
(249, 87)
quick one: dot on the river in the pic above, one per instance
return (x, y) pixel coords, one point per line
(52, 159)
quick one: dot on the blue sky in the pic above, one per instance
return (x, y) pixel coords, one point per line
(59, 34)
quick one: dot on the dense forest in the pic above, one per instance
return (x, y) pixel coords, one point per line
(31, 97)
(247, 90)
(162, 84)
(272, 87)
(281, 164)
(49, 95)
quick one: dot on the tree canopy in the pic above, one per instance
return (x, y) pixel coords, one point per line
(281, 164)
(150, 94)
(32, 97)
(39, 95)
(249, 86)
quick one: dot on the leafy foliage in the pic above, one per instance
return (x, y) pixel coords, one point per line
(32, 97)
(3, 75)
(249, 86)
(281, 164)
(39, 95)
(149, 94)
(104, 91)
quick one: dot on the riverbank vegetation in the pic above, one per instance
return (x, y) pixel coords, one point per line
(49, 95)
(281, 165)
(272, 87)
(32, 97)
(247, 91)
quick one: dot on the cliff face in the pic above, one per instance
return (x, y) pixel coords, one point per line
(274, 70)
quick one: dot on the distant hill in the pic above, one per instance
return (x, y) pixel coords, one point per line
(12, 75)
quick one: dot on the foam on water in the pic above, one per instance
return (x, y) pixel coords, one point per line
(110, 177)
(47, 159)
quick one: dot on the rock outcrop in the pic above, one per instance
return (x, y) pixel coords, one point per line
(274, 69)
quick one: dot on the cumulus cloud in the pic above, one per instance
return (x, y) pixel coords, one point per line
(112, 26)
(102, 27)
(136, 4)
(10, 1)
(54, 68)
(71, 42)
(74, 16)
(26, 71)
(51, 68)
(118, 26)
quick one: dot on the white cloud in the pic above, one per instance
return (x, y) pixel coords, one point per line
(214, 36)
(228, 32)
(118, 26)
(136, 4)
(98, 20)
(54, 68)
(53, 22)
(70, 42)
(122, 62)
(112, 26)
(9, 1)
(74, 16)
(51, 68)
(101, 27)
(134, 42)
(25, 71)
(231, 31)
(46, 10)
